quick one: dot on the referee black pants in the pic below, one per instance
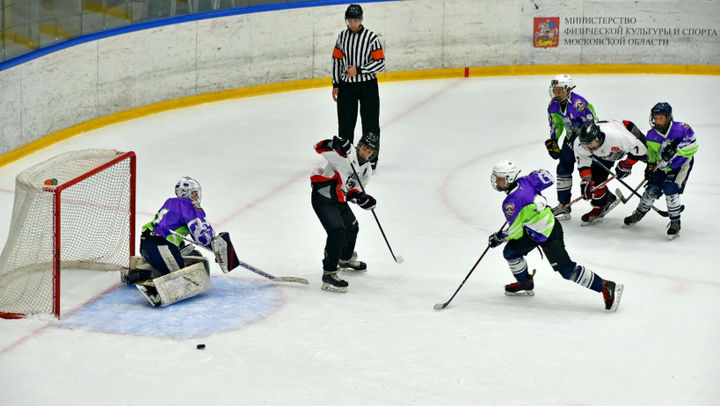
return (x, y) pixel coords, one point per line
(341, 227)
(349, 96)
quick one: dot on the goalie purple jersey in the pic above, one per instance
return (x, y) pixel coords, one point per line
(180, 216)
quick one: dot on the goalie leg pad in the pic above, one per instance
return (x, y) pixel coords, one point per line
(192, 260)
(139, 270)
(185, 283)
(225, 252)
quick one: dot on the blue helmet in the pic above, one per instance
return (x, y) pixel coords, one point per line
(661, 109)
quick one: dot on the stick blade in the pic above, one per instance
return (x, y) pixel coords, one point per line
(292, 279)
(399, 259)
(620, 196)
(440, 306)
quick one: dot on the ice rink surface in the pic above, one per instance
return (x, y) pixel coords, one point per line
(382, 343)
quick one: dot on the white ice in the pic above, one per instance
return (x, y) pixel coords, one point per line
(382, 342)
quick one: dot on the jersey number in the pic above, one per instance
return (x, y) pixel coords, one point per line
(159, 215)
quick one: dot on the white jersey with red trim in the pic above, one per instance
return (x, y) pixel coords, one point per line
(618, 143)
(337, 178)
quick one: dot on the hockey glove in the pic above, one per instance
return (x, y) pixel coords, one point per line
(668, 152)
(553, 148)
(670, 176)
(586, 188)
(649, 172)
(362, 199)
(496, 239)
(622, 169)
(341, 145)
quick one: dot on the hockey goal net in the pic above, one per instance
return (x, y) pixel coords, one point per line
(75, 210)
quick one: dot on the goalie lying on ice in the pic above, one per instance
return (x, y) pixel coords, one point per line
(169, 270)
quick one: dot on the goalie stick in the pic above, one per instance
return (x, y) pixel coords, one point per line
(440, 306)
(660, 212)
(250, 267)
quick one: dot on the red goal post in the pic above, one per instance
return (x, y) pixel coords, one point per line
(75, 210)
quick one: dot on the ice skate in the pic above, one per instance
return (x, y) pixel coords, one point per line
(596, 215)
(520, 289)
(563, 214)
(633, 218)
(673, 229)
(332, 283)
(612, 292)
(352, 264)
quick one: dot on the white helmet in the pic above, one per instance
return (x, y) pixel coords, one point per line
(189, 188)
(563, 81)
(504, 170)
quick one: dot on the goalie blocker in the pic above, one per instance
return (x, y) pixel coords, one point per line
(224, 251)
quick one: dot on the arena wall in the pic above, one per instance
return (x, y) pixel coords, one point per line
(139, 70)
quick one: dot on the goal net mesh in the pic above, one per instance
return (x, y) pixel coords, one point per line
(94, 225)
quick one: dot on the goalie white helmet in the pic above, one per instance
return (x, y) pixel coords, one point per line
(505, 170)
(564, 82)
(189, 188)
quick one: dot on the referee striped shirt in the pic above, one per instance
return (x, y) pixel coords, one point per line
(361, 49)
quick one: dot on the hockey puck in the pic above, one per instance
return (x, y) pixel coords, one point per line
(201, 346)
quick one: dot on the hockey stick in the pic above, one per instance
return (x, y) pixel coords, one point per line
(624, 199)
(440, 306)
(398, 259)
(660, 212)
(577, 199)
(250, 267)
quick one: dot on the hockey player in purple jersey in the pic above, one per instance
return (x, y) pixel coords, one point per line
(170, 270)
(673, 144)
(606, 142)
(566, 111)
(531, 224)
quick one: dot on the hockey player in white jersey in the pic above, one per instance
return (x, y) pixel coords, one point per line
(606, 141)
(333, 186)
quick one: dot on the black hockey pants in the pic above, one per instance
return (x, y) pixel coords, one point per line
(554, 249)
(341, 227)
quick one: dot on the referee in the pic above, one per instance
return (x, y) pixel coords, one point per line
(357, 57)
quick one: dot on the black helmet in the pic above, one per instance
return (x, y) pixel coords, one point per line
(354, 11)
(661, 109)
(370, 139)
(591, 132)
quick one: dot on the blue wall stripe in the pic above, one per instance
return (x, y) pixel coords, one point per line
(170, 21)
